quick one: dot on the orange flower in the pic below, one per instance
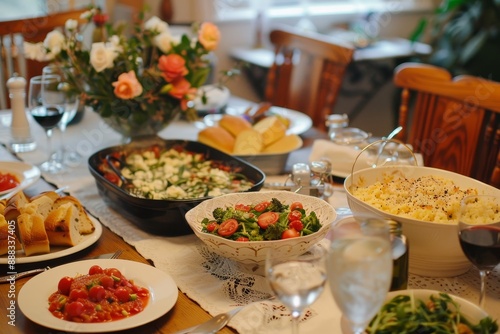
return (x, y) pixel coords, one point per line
(127, 86)
(209, 36)
(173, 66)
(181, 89)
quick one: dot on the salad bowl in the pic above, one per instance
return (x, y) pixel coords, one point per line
(253, 253)
(162, 216)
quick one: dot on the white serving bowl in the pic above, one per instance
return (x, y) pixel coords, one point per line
(254, 252)
(434, 247)
(469, 310)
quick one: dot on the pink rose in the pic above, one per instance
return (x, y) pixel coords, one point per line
(209, 36)
(173, 66)
(127, 86)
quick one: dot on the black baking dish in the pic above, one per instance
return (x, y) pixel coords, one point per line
(163, 217)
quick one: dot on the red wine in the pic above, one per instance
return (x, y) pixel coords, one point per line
(47, 117)
(481, 245)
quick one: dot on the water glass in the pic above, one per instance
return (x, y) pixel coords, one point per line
(359, 265)
(297, 281)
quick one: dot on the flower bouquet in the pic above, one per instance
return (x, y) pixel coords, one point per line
(139, 82)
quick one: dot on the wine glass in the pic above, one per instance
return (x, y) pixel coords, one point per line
(479, 234)
(297, 281)
(359, 265)
(46, 104)
(65, 156)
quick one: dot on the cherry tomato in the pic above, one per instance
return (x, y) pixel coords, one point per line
(243, 239)
(267, 218)
(111, 177)
(294, 215)
(113, 272)
(290, 233)
(78, 293)
(242, 207)
(156, 151)
(228, 228)
(65, 285)
(296, 205)
(74, 309)
(97, 293)
(95, 269)
(122, 294)
(212, 226)
(296, 225)
(262, 206)
(107, 282)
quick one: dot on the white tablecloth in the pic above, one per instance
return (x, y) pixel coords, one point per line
(215, 283)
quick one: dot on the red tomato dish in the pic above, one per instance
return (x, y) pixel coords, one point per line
(8, 181)
(100, 296)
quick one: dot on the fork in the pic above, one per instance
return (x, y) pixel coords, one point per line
(10, 278)
(213, 325)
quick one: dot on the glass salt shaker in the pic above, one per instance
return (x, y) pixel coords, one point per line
(335, 122)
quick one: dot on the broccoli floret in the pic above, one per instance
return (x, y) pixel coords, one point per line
(311, 224)
(218, 214)
(277, 206)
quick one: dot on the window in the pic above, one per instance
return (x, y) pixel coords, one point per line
(231, 10)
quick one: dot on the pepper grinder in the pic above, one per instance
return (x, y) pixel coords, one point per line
(21, 141)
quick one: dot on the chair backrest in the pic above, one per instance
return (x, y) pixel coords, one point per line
(12, 35)
(453, 122)
(307, 72)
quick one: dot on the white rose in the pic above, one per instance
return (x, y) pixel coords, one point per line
(114, 44)
(54, 42)
(71, 25)
(101, 57)
(156, 24)
(163, 41)
(35, 51)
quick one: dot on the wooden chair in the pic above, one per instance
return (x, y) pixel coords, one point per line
(453, 122)
(12, 35)
(307, 72)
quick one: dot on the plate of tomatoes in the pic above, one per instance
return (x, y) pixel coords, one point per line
(15, 176)
(98, 295)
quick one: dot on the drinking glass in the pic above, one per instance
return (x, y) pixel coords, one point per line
(46, 105)
(479, 234)
(297, 281)
(65, 156)
(359, 265)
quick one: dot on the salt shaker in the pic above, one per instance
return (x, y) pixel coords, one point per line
(21, 141)
(335, 122)
(301, 176)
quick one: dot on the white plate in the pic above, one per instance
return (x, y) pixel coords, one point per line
(299, 122)
(27, 174)
(33, 296)
(60, 251)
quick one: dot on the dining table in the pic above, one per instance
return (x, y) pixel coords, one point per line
(207, 284)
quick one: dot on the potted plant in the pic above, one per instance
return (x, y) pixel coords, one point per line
(465, 36)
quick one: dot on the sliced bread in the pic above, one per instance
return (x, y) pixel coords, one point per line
(84, 223)
(32, 233)
(62, 225)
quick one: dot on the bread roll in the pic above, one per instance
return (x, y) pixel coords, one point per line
(32, 234)
(234, 124)
(271, 129)
(62, 225)
(84, 223)
(218, 138)
(286, 144)
(248, 142)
